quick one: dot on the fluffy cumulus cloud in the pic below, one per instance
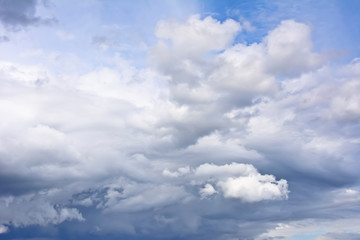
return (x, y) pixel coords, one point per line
(289, 49)
(254, 188)
(242, 182)
(235, 180)
(197, 36)
(211, 139)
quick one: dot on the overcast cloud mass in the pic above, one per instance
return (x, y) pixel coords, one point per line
(179, 120)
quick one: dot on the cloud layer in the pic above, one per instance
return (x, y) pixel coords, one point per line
(211, 138)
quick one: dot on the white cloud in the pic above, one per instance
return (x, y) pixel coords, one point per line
(233, 169)
(31, 75)
(254, 188)
(235, 180)
(241, 181)
(289, 49)
(207, 191)
(140, 88)
(44, 137)
(196, 36)
(238, 74)
(180, 172)
(217, 146)
(241, 70)
(346, 103)
(3, 229)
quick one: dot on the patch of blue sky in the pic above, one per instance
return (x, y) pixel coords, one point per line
(334, 22)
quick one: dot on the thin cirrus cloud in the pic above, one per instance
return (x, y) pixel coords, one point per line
(213, 138)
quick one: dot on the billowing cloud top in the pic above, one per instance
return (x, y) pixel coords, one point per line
(210, 137)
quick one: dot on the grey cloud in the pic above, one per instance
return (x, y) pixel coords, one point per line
(34, 209)
(4, 39)
(232, 79)
(102, 41)
(20, 14)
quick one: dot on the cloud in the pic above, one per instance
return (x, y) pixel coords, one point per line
(242, 181)
(233, 169)
(34, 209)
(330, 229)
(102, 42)
(3, 229)
(32, 75)
(181, 171)
(196, 36)
(235, 180)
(4, 39)
(209, 129)
(182, 46)
(289, 49)
(254, 188)
(241, 70)
(207, 191)
(16, 15)
(149, 197)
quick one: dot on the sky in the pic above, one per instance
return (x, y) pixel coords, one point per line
(179, 120)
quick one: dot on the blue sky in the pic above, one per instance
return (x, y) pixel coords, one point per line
(179, 119)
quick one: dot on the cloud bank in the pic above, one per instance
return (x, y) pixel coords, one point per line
(211, 138)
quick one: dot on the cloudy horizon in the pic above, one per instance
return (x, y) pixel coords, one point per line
(179, 119)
